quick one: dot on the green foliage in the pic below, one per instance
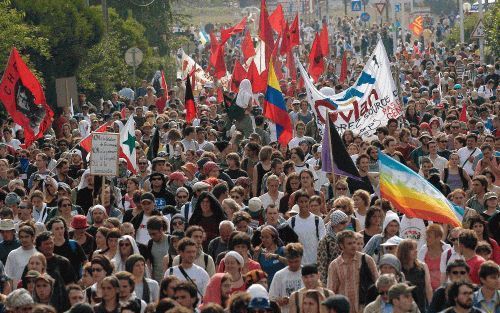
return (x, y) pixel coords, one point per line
(104, 67)
(442, 6)
(72, 30)
(491, 22)
(16, 33)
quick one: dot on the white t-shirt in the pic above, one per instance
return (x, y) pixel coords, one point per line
(439, 163)
(17, 261)
(284, 283)
(464, 153)
(413, 228)
(445, 260)
(197, 274)
(361, 219)
(266, 199)
(142, 235)
(306, 231)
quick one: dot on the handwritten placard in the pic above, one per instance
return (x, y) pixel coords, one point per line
(104, 154)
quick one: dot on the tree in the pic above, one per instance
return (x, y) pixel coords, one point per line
(442, 6)
(16, 33)
(72, 29)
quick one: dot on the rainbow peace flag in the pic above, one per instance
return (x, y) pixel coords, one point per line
(275, 108)
(413, 195)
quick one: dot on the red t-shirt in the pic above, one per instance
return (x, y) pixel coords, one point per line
(474, 264)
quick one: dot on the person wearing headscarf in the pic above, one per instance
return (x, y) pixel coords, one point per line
(245, 100)
(85, 191)
(328, 249)
(218, 290)
(126, 247)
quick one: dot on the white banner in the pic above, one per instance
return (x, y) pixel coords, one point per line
(366, 105)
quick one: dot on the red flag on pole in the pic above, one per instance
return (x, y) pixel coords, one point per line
(23, 98)
(295, 32)
(343, 68)
(86, 142)
(285, 40)
(259, 81)
(265, 30)
(189, 102)
(247, 47)
(325, 46)
(214, 46)
(463, 113)
(220, 95)
(220, 64)
(225, 34)
(163, 84)
(316, 61)
(277, 19)
(239, 74)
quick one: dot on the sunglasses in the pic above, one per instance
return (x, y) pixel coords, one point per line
(177, 223)
(458, 272)
(143, 163)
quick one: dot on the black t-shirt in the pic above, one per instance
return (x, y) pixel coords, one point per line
(74, 253)
(364, 184)
(235, 174)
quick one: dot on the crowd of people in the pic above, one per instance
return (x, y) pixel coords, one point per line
(220, 218)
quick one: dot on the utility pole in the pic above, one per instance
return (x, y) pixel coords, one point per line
(481, 40)
(461, 10)
(105, 16)
(394, 27)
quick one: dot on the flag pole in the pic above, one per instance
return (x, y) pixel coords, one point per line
(327, 128)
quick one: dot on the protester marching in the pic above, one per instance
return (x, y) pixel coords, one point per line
(302, 167)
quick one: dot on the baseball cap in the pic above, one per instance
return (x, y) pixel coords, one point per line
(148, 196)
(400, 289)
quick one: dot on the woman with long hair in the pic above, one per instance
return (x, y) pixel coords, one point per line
(411, 114)
(260, 169)
(292, 184)
(100, 240)
(271, 253)
(373, 223)
(111, 243)
(218, 290)
(416, 273)
(454, 175)
(348, 137)
(101, 268)
(480, 227)
(208, 213)
(145, 288)
(110, 296)
(36, 263)
(431, 251)
(361, 201)
(44, 291)
(49, 189)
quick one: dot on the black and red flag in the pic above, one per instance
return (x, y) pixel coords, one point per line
(189, 102)
(23, 98)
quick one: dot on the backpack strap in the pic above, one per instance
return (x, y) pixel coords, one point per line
(73, 245)
(293, 222)
(448, 255)
(205, 259)
(446, 172)
(316, 222)
(297, 306)
(186, 212)
(171, 271)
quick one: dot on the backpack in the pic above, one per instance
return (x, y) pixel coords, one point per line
(205, 261)
(316, 222)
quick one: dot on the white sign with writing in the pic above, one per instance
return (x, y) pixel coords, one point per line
(104, 154)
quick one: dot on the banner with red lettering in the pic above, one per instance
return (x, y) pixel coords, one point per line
(366, 105)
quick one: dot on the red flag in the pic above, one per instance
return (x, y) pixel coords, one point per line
(265, 30)
(225, 34)
(189, 102)
(316, 61)
(247, 47)
(285, 40)
(214, 46)
(259, 81)
(290, 64)
(23, 98)
(220, 95)
(220, 64)
(163, 84)
(463, 113)
(277, 19)
(295, 32)
(123, 114)
(325, 46)
(86, 142)
(239, 74)
(343, 68)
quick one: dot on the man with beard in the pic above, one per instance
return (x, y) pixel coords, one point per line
(98, 215)
(460, 296)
